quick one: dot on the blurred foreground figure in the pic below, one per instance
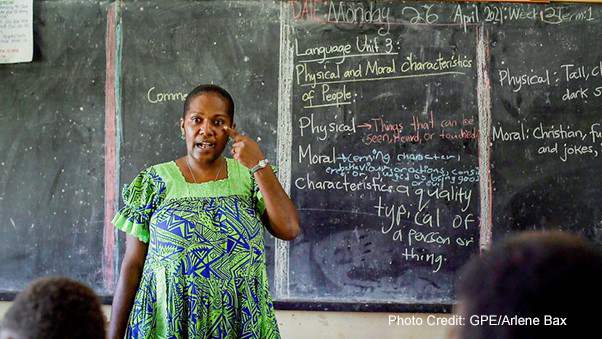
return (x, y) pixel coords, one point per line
(54, 307)
(533, 285)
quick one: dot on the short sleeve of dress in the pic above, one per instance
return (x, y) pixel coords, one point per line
(257, 196)
(141, 198)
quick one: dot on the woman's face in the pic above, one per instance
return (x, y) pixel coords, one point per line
(203, 127)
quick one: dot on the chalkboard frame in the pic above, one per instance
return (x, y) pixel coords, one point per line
(325, 306)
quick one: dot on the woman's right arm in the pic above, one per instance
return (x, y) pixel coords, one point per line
(125, 292)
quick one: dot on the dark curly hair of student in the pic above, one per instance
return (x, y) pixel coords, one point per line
(544, 275)
(209, 88)
(56, 307)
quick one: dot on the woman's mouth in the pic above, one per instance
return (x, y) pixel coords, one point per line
(205, 145)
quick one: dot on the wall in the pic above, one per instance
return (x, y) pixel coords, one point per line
(335, 325)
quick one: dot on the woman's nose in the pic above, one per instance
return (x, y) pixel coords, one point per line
(206, 128)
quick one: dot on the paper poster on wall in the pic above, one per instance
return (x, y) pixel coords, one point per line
(16, 31)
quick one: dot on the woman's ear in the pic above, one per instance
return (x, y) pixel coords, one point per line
(182, 125)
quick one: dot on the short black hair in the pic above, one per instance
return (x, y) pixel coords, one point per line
(532, 275)
(210, 88)
(56, 307)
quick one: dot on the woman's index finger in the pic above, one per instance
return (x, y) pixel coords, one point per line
(231, 131)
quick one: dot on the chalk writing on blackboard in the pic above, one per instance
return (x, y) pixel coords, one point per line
(153, 95)
(349, 141)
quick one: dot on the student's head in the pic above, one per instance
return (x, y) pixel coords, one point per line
(54, 307)
(545, 275)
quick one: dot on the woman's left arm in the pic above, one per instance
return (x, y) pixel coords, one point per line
(281, 213)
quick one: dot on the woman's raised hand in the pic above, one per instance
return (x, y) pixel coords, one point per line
(244, 149)
(280, 216)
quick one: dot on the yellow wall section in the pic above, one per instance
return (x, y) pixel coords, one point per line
(335, 325)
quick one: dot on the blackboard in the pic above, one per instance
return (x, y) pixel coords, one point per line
(459, 112)
(545, 175)
(51, 150)
(392, 232)
(409, 135)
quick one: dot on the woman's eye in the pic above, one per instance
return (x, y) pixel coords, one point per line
(196, 120)
(219, 122)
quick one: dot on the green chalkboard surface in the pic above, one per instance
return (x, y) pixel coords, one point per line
(51, 149)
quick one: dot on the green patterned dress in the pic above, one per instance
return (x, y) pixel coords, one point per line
(205, 273)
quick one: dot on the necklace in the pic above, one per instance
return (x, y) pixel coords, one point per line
(192, 174)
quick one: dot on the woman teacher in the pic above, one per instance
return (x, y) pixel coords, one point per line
(194, 265)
